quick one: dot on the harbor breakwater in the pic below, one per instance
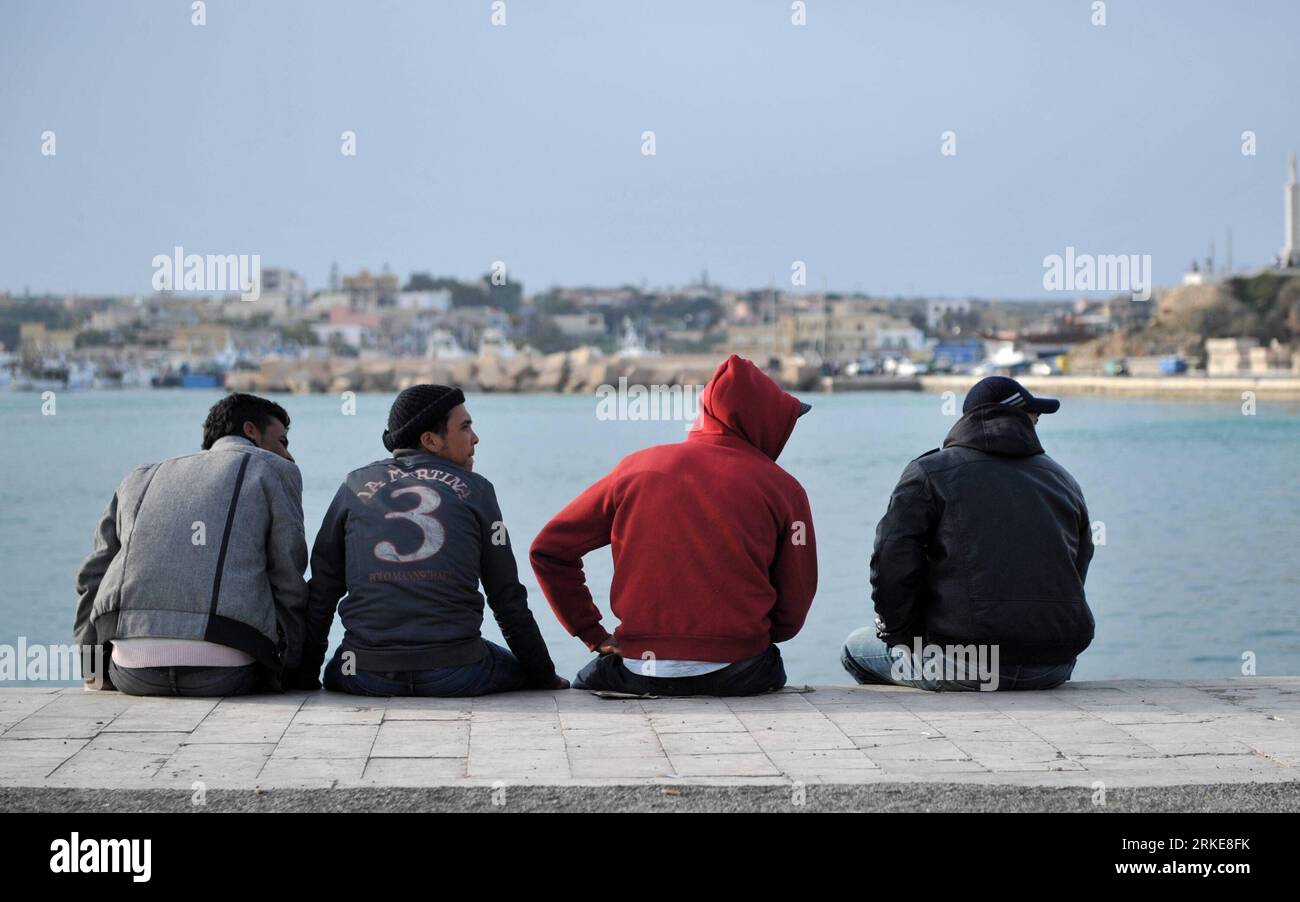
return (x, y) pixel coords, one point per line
(581, 371)
(585, 370)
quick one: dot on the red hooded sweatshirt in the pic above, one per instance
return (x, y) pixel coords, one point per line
(714, 556)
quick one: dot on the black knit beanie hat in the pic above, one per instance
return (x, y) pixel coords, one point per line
(416, 410)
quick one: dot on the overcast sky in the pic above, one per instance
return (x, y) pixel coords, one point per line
(523, 143)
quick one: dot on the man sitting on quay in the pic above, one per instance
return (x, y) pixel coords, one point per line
(408, 539)
(979, 562)
(714, 556)
(195, 582)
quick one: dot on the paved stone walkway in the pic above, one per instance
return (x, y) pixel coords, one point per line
(1125, 733)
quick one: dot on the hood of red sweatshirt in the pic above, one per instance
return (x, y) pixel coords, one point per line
(742, 401)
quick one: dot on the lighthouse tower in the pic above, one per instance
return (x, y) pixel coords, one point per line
(1291, 250)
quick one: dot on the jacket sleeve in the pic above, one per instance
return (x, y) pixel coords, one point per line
(106, 545)
(1086, 547)
(329, 583)
(286, 558)
(898, 560)
(794, 572)
(556, 555)
(509, 599)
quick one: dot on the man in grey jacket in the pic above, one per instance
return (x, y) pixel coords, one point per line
(196, 580)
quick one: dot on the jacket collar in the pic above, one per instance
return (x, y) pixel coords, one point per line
(425, 456)
(227, 441)
(995, 429)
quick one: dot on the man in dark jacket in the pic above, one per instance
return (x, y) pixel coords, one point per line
(979, 563)
(409, 539)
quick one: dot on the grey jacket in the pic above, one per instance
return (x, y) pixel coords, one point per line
(209, 546)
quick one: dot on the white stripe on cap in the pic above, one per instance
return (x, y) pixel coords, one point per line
(1014, 400)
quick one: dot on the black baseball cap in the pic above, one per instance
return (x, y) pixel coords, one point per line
(804, 408)
(1009, 393)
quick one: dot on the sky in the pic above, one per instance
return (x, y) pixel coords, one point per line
(522, 142)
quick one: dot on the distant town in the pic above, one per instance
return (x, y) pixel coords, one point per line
(374, 331)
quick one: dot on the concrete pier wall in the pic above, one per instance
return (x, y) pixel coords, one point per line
(1170, 743)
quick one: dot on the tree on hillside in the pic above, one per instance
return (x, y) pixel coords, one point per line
(1271, 299)
(1289, 303)
(422, 281)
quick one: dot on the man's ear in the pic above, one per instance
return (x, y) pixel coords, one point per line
(431, 442)
(250, 431)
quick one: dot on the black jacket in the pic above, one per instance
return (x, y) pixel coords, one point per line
(409, 539)
(986, 541)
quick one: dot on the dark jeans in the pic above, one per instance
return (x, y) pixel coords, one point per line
(201, 682)
(869, 660)
(753, 676)
(496, 671)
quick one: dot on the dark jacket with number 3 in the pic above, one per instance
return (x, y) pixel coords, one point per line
(986, 541)
(408, 539)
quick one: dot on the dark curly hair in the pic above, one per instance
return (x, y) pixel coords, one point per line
(228, 416)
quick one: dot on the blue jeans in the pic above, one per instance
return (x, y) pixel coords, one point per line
(869, 660)
(752, 676)
(496, 671)
(197, 682)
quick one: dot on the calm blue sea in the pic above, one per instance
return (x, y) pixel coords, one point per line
(1201, 507)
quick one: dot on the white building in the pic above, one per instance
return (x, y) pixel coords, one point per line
(935, 311)
(351, 334)
(1228, 356)
(325, 301)
(285, 282)
(580, 325)
(425, 301)
(899, 335)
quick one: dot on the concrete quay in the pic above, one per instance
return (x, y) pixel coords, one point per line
(1221, 744)
(1163, 388)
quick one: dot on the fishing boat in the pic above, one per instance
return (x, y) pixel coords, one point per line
(632, 344)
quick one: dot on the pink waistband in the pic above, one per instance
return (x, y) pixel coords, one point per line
(176, 653)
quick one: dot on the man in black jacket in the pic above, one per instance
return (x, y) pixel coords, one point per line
(409, 539)
(979, 563)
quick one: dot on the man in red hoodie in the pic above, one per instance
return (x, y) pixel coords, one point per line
(714, 555)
